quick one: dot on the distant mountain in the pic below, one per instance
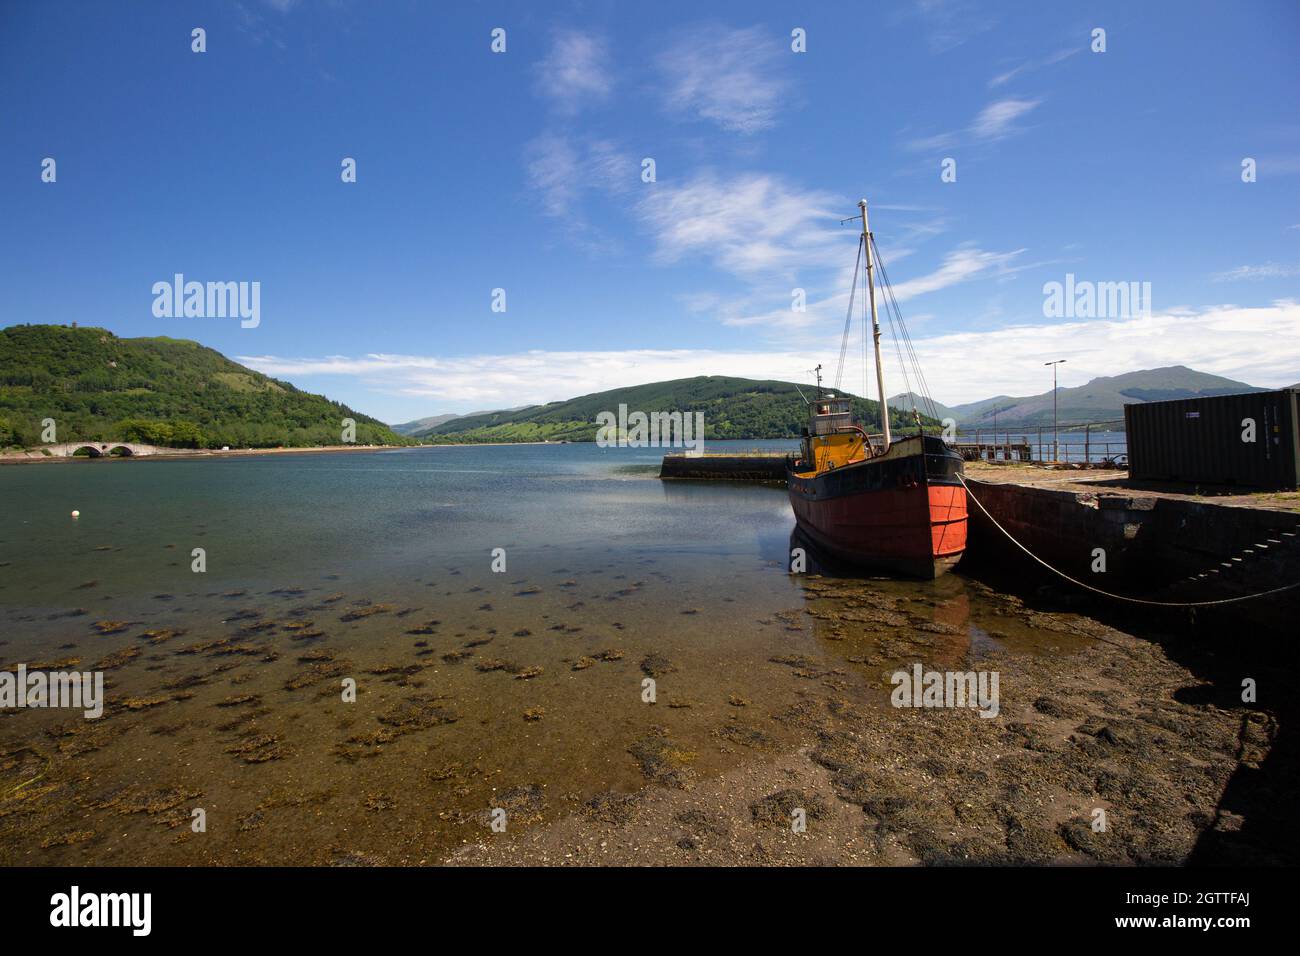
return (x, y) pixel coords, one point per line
(433, 421)
(733, 408)
(1102, 399)
(421, 424)
(908, 400)
(160, 391)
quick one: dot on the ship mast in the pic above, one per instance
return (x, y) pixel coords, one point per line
(875, 326)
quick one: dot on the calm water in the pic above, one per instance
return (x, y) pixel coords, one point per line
(379, 519)
(476, 689)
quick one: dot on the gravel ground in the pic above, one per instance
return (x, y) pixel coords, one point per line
(1102, 727)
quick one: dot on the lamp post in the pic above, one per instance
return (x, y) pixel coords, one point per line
(1055, 447)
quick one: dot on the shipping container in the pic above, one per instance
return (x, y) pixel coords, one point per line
(1248, 440)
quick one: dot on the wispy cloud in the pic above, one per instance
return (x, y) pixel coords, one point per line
(775, 236)
(961, 265)
(1251, 344)
(1029, 66)
(565, 170)
(950, 23)
(748, 224)
(575, 73)
(1269, 270)
(729, 77)
(995, 122)
(253, 24)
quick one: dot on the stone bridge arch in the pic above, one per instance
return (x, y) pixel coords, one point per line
(100, 449)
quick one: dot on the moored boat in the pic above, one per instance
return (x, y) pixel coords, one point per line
(873, 500)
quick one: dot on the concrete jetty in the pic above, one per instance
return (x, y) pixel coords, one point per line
(1134, 537)
(757, 466)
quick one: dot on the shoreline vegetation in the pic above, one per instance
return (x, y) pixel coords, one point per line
(59, 382)
(23, 456)
(17, 457)
(12, 457)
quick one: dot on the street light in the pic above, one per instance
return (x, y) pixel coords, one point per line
(1055, 449)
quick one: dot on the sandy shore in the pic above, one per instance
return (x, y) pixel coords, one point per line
(1111, 726)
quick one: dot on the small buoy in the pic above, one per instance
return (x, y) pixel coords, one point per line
(76, 514)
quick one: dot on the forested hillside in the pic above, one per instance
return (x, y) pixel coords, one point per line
(158, 390)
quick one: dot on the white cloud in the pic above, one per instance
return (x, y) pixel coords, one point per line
(1032, 65)
(729, 77)
(950, 23)
(534, 377)
(575, 73)
(749, 225)
(996, 121)
(960, 265)
(775, 236)
(1252, 344)
(564, 171)
(552, 163)
(1269, 270)
(1257, 345)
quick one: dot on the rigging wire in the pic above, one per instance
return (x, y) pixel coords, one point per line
(848, 317)
(915, 361)
(904, 338)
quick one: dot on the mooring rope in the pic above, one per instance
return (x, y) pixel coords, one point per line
(1117, 597)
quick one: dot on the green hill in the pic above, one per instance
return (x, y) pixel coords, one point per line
(161, 391)
(738, 408)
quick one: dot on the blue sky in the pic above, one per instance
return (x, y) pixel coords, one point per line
(523, 170)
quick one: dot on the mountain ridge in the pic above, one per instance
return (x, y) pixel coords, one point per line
(1101, 399)
(733, 407)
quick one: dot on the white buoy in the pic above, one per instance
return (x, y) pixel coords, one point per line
(76, 514)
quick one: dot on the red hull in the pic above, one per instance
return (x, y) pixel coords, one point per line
(919, 531)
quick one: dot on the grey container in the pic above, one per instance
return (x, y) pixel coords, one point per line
(1201, 440)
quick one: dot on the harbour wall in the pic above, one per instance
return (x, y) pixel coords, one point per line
(1165, 548)
(1189, 550)
(724, 467)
